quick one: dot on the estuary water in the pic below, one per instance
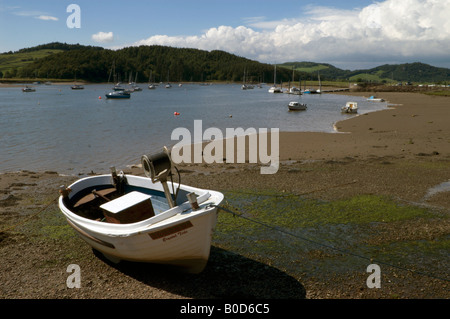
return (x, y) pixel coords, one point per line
(78, 131)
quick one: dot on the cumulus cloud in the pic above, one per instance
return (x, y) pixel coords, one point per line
(103, 37)
(392, 30)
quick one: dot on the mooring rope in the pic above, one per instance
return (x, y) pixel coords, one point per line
(30, 217)
(344, 251)
(293, 194)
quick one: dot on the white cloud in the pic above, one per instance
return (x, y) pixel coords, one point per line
(47, 18)
(36, 14)
(103, 37)
(392, 30)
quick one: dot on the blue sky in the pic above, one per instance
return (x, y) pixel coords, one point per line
(348, 34)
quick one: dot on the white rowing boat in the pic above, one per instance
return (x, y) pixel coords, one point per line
(128, 217)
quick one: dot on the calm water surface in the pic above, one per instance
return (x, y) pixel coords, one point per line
(74, 131)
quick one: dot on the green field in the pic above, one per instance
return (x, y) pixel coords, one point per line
(312, 69)
(11, 61)
(370, 78)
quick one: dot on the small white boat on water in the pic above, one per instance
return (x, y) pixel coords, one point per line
(350, 107)
(118, 87)
(275, 89)
(28, 89)
(247, 87)
(375, 99)
(296, 106)
(311, 91)
(144, 219)
(294, 90)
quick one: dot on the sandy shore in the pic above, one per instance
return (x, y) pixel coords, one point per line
(399, 154)
(416, 124)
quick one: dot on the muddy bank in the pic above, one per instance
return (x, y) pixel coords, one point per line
(365, 192)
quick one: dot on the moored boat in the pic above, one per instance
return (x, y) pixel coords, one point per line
(296, 106)
(375, 99)
(28, 89)
(275, 89)
(134, 218)
(118, 87)
(294, 90)
(311, 91)
(118, 95)
(350, 107)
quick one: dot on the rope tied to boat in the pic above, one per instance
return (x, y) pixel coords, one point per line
(343, 251)
(30, 217)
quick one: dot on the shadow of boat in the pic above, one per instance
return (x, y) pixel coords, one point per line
(226, 276)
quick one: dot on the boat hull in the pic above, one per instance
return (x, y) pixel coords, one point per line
(350, 107)
(117, 96)
(178, 237)
(349, 111)
(297, 106)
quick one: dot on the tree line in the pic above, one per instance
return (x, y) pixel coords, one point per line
(154, 64)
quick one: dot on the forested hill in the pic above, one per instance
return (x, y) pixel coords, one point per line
(95, 64)
(412, 72)
(161, 63)
(57, 46)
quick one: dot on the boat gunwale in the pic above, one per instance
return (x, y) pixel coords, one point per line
(173, 215)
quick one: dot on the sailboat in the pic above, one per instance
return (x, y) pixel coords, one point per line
(77, 86)
(314, 91)
(134, 85)
(246, 86)
(274, 88)
(319, 91)
(118, 91)
(168, 85)
(294, 90)
(151, 86)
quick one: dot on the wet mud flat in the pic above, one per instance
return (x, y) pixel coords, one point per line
(310, 231)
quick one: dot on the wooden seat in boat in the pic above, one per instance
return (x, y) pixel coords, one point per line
(130, 208)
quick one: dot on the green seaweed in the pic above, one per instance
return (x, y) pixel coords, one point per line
(292, 211)
(310, 235)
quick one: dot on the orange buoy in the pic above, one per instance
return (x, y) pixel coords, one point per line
(99, 97)
(176, 113)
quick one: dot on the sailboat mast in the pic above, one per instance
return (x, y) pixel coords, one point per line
(320, 83)
(275, 76)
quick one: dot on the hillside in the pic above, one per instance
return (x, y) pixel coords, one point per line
(12, 62)
(408, 72)
(326, 71)
(95, 64)
(161, 63)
